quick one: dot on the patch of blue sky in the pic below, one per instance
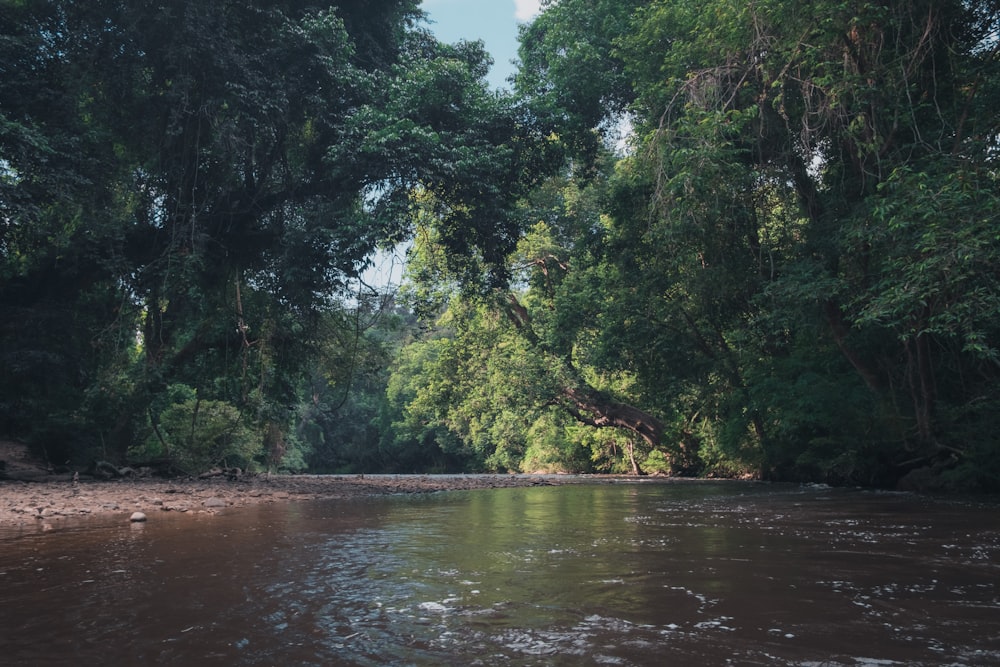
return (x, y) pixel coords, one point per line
(495, 22)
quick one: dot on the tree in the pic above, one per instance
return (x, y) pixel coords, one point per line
(65, 330)
(344, 397)
(570, 74)
(516, 358)
(196, 186)
(781, 217)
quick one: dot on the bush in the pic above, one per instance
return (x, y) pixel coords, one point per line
(657, 463)
(197, 435)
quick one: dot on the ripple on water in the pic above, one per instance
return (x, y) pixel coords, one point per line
(621, 575)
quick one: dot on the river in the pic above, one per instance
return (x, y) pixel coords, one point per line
(642, 573)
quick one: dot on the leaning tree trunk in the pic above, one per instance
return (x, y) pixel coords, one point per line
(588, 405)
(596, 409)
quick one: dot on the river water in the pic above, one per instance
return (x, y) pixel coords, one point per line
(676, 573)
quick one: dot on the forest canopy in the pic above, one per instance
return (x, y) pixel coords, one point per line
(789, 269)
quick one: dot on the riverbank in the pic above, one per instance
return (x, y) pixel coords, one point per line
(48, 498)
(50, 502)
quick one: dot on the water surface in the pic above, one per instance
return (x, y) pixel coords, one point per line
(709, 573)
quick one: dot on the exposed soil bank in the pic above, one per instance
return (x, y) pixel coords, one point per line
(51, 501)
(30, 494)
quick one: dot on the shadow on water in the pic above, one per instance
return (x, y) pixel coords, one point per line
(621, 574)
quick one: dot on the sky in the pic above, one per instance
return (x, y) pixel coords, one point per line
(494, 22)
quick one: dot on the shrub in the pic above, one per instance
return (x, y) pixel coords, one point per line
(197, 435)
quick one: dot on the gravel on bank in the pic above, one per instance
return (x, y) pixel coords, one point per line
(39, 502)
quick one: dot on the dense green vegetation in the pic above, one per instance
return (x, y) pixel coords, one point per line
(790, 269)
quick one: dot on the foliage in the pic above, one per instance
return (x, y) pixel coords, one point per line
(570, 74)
(344, 392)
(502, 384)
(789, 272)
(796, 254)
(195, 435)
(189, 192)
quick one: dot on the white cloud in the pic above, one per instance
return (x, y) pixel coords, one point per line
(525, 10)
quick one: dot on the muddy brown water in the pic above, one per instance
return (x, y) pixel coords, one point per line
(682, 573)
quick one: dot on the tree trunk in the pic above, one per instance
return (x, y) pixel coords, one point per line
(838, 328)
(922, 387)
(596, 409)
(630, 449)
(588, 405)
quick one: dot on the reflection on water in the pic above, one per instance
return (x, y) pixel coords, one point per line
(626, 574)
